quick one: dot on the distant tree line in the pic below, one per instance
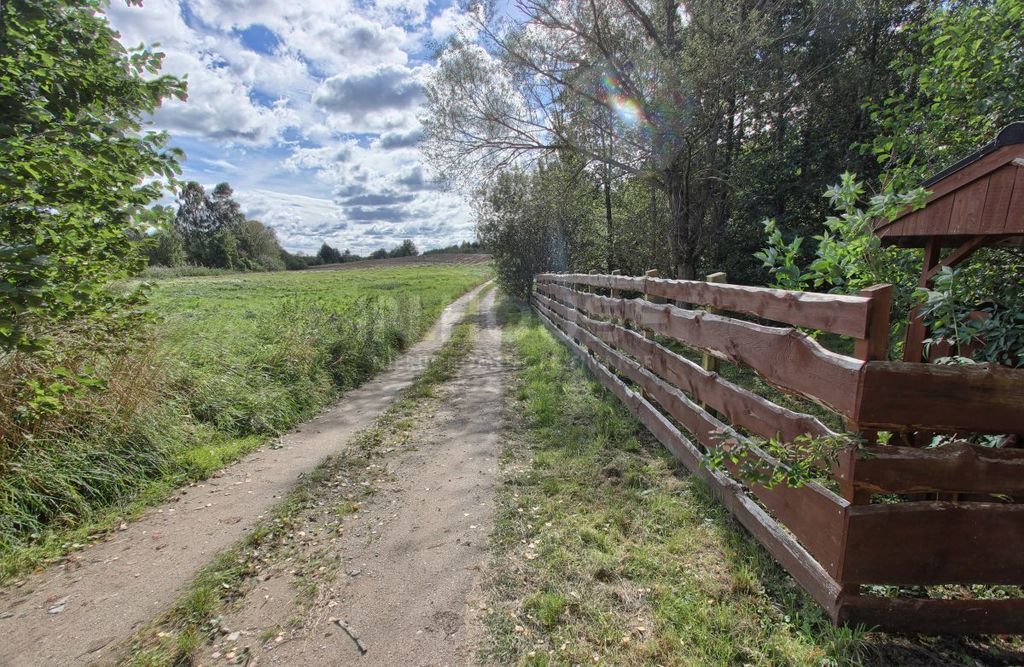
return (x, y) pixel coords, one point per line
(331, 255)
(465, 248)
(210, 230)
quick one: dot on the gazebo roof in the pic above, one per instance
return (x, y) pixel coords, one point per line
(980, 197)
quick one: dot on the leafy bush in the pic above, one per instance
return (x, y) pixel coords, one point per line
(992, 331)
(960, 85)
(848, 256)
(77, 169)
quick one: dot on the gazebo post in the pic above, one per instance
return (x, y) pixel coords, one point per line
(913, 342)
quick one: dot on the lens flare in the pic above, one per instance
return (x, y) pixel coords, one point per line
(625, 107)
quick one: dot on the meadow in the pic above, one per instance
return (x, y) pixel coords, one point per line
(230, 362)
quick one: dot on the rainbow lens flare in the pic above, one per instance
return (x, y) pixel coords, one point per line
(625, 107)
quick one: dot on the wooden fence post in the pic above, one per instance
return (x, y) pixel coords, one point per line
(873, 347)
(709, 362)
(616, 294)
(653, 273)
(875, 344)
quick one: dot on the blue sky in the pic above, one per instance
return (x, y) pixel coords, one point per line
(309, 109)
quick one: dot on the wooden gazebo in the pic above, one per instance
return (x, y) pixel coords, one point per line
(979, 201)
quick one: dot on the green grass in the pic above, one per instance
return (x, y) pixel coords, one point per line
(254, 353)
(233, 361)
(174, 636)
(604, 551)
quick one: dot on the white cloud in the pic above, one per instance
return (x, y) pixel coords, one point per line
(310, 110)
(382, 98)
(400, 139)
(452, 21)
(413, 11)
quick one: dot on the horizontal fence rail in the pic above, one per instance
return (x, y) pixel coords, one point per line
(957, 506)
(845, 315)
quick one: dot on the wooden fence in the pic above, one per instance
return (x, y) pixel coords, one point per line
(890, 515)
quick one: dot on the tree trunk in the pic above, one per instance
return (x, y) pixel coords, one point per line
(608, 221)
(684, 250)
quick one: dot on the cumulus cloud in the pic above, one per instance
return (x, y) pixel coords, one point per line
(415, 178)
(378, 199)
(405, 139)
(365, 95)
(452, 21)
(364, 40)
(310, 110)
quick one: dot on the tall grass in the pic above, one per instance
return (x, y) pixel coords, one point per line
(188, 271)
(208, 382)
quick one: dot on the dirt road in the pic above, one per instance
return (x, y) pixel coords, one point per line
(77, 612)
(411, 556)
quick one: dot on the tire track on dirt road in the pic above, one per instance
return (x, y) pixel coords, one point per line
(404, 568)
(77, 612)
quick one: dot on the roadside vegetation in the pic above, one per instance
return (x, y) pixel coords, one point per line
(341, 483)
(229, 362)
(606, 552)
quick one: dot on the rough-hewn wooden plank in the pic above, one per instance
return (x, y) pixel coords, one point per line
(813, 514)
(934, 543)
(913, 615)
(603, 281)
(783, 547)
(983, 398)
(789, 359)
(957, 468)
(740, 406)
(841, 314)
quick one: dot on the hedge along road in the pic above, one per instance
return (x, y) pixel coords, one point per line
(77, 612)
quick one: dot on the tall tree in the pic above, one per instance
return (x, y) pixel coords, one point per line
(224, 210)
(703, 94)
(545, 83)
(329, 255)
(76, 166)
(406, 249)
(195, 211)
